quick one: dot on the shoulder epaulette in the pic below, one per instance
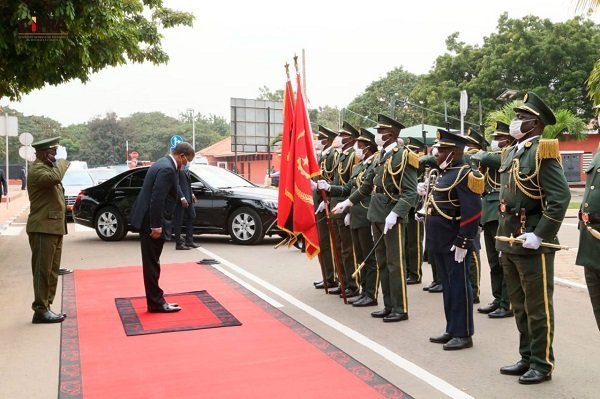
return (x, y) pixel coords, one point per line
(413, 159)
(548, 149)
(476, 182)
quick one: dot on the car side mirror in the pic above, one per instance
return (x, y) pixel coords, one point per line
(198, 185)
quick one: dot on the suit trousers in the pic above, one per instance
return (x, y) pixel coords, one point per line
(490, 229)
(343, 242)
(530, 284)
(592, 279)
(46, 251)
(325, 256)
(458, 294)
(473, 260)
(390, 262)
(363, 244)
(151, 250)
(184, 216)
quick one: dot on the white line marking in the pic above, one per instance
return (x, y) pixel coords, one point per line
(570, 283)
(381, 350)
(570, 224)
(12, 231)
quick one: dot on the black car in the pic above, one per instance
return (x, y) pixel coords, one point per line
(225, 204)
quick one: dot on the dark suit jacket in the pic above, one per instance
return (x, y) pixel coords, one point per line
(3, 183)
(184, 188)
(154, 205)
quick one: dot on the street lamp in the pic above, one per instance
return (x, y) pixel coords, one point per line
(506, 95)
(191, 111)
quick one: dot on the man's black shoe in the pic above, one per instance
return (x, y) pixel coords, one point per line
(317, 283)
(441, 339)
(62, 271)
(335, 291)
(489, 308)
(430, 286)
(436, 288)
(352, 301)
(164, 308)
(395, 316)
(501, 313)
(61, 314)
(182, 247)
(519, 368)
(192, 245)
(350, 293)
(364, 302)
(458, 343)
(321, 285)
(46, 317)
(412, 280)
(532, 376)
(380, 314)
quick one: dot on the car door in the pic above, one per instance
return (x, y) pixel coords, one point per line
(203, 205)
(126, 191)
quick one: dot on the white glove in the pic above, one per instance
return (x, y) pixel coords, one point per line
(390, 221)
(61, 152)
(421, 189)
(313, 185)
(323, 185)
(530, 240)
(320, 208)
(341, 207)
(459, 253)
(419, 218)
(347, 220)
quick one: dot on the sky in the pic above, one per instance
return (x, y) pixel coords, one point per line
(237, 47)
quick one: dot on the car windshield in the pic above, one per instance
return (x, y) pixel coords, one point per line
(219, 177)
(77, 178)
(101, 175)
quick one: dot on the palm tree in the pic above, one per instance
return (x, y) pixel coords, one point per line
(593, 81)
(566, 121)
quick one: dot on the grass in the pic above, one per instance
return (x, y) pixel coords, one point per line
(574, 205)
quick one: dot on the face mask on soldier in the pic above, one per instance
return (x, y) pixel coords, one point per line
(358, 152)
(379, 139)
(515, 128)
(318, 145)
(337, 142)
(495, 145)
(447, 161)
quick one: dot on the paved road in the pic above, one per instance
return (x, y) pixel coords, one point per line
(399, 352)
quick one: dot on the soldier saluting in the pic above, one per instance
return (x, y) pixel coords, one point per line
(534, 196)
(453, 212)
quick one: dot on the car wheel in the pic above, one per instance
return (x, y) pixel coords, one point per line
(110, 225)
(245, 226)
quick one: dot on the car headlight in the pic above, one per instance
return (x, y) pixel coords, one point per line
(269, 204)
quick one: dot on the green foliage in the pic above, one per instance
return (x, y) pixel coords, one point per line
(268, 95)
(104, 144)
(99, 33)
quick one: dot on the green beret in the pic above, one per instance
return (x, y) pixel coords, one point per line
(533, 104)
(46, 144)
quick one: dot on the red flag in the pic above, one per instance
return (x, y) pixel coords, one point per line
(286, 178)
(304, 167)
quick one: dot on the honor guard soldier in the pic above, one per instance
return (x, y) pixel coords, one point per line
(589, 234)
(489, 162)
(534, 196)
(342, 234)
(453, 212)
(414, 229)
(46, 225)
(476, 141)
(328, 161)
(366, 152)
(392, 185)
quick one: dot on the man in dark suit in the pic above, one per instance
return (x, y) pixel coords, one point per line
(184, 211)
(3, 185)
(152, 214)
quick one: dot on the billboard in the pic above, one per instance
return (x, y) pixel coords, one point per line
(254, 123)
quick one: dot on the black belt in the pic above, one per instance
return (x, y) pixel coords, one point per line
(453, 213)
(589, 217)
(381, 190)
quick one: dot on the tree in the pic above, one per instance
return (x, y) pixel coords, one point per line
(105, 144)
(268, 95)
(97, 34)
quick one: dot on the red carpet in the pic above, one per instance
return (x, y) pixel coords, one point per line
(269, 356)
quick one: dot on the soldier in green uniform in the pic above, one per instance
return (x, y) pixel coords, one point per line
(589, 234)
(415, 230)
(328, 161)
(392, 185)
(362, 240)
(342, 234)
(46, 225)
(489, 162)
(534, 196)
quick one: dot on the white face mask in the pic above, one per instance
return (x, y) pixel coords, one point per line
(447, 161)
(318, 145)
(359, 153)
(337, 142)
(434, 151)
(515, 128)
(379, 139)
(495, 145)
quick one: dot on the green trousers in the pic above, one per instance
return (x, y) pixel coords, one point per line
(343, 243)
(46, 250)
(363, 244)
(490, 229)
(530, 285)
(414, 232)
(592, 279)
(325, 256)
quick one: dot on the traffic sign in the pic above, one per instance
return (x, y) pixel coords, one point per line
(27, 152)
(25, 138)
(175, 139)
